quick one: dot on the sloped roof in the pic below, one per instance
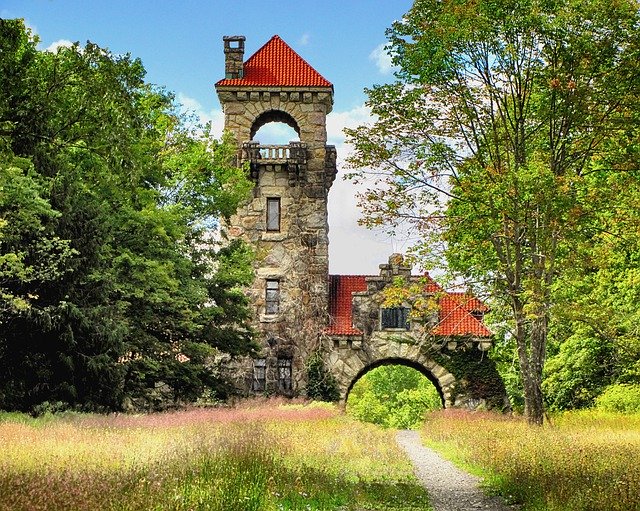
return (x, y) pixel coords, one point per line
(276, 64)
(455, 309)
(341, 288)
(470, 302)
(455, 319)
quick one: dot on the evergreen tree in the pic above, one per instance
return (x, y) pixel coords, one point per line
(111, 281)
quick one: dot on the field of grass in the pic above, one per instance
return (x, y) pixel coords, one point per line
(262, 457)
(583, 461)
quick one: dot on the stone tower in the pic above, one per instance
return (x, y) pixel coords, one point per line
(286, 218)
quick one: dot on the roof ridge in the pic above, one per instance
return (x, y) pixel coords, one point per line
(276, 63)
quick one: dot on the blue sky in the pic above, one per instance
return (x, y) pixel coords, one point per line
(180, 45)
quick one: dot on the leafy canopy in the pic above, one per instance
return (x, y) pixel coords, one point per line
(114, 287)
(494, 141)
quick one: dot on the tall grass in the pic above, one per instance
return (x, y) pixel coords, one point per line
(263, 458)
(584, 461)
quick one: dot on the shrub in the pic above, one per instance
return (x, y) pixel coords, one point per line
(620, 397)
(321, 385)
(393, 396)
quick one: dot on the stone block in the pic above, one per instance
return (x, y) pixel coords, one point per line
(484, 345)
(294, 96)
(307, 97)
(254, 96)
(446, 380)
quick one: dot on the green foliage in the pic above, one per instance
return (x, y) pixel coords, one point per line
(393, 396)
(621, 397)
(321, 385)
(595, 338)
(401, 292)
(476, 376)
(112, 282)
(503, 142)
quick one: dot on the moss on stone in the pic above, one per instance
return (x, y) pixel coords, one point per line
(476, 375)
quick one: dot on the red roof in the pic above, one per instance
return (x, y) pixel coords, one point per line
(341, 288)
(276, 64)
(470, 302)
(432, 286)
(455, 314)
(456, 319)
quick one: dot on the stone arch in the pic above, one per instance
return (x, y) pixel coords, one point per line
(273, 116)
(348, 364)
(398, 361)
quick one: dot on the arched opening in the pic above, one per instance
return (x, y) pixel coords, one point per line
(393, 393)
(275, 127)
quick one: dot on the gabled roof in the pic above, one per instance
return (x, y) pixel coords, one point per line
(341, 288)
(455, 319)
(454, 314)
(276, 64)
(470, 302)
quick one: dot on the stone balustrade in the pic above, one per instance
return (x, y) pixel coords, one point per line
(274, 154)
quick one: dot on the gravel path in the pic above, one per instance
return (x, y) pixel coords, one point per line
(450, 489)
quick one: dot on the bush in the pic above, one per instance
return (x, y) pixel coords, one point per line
(620, 397)
(393, 396)
(321, 385)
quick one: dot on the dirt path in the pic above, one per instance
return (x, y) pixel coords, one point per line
(450, 489)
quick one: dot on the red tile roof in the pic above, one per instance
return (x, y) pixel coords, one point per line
(276, 64)
(470, 302)
(455, 319)
(341, 288)
(432, 286)
(455, 314)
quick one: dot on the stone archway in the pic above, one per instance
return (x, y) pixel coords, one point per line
(397, 361)
(350, 364)
(269, 116)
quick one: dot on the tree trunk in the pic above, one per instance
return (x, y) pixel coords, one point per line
(531, 355)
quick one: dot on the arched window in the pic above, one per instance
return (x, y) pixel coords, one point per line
(275, 127)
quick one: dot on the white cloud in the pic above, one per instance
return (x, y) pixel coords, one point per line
(60, 43)
(353, 249)
(337, 121)
(214, 116)
(382, 59)
(304, 40)
(276, 133)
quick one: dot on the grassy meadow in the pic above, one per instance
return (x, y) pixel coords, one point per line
(582, 461)
(258, 457)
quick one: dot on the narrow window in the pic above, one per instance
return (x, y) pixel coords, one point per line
(478, 315)
(272, 297)
(273, 214)
(284, 374)
(396, 317)
(259, 374)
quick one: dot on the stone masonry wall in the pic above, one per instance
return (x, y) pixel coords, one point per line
(297, 255)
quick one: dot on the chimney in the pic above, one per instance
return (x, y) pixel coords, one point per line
(233, 56)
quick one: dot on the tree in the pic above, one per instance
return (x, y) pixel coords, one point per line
(506, 117)
(111, 281)
(393, 396)
(594, 335)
